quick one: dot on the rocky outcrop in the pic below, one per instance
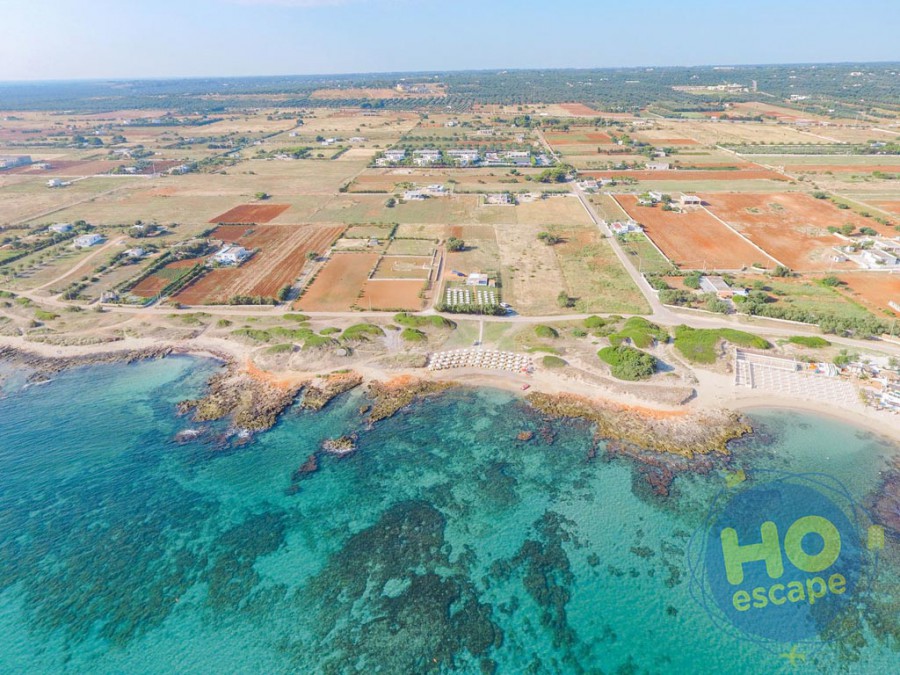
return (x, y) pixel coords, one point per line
(252, 403)
(46, 366)
(319, 394)
(389, 397)
(685, 434)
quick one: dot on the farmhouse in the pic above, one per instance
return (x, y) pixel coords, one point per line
(716, 285)
(477, 279)
(691, 200)
(12, 161)
(436, 190)
(61, 228)
(499, 199)
(87, 240)
(231, 255)
(879, 257)
(625, 227)
(414, 196)
(657, 166)
(55, 183)
(135, 253)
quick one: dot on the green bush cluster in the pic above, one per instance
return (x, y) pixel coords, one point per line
(628, 363)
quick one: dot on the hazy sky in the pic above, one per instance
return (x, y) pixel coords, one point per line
(63, 39)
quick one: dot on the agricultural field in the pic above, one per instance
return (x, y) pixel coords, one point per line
(251, 213)
(874, 290)
(686, 175)
(420, 247)
(791, 227)
(338, 285)
(403, 267)
(279, 260)
(595, 279)
(693, 239)
(152, 285)
(392, 295)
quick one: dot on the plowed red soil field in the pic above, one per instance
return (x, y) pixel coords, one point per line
(338, 285)
(792, 226)
(674, 174)
(252, 213)
(693, 240)
(874, 289)
(153, 284)
(578, 109)
(390, 295)
(277, 263)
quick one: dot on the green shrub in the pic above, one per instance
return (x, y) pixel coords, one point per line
(413, 335)
(554, 362)
(641, 332)
(699, 344)
(545, 332)
(812, 341)
(628, 363)
(361, 331)
(594, 322)
(330, 331)
(417, 321)
(43, 315)
(280, 349)
(299, 318)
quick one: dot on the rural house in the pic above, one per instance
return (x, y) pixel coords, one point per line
(691, 200)
(87, 240)
(231, 255)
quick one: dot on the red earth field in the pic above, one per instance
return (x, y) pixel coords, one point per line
(338, 285)
(230, 233)
(578, 109)
(277, 263)
(252, 213)
(149, 287)
(693, 240)
(792, 227)
(390, 295)
(874, 289)
(686, 175)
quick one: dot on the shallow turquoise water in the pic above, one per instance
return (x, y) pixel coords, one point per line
(442, 544)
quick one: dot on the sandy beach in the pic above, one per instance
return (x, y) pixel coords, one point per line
(713, 390)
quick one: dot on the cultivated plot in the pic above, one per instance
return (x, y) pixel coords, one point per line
(693, 239)
(280, 256)
(791, 227)
(339, 284)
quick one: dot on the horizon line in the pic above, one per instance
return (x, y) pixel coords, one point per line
(175, 78)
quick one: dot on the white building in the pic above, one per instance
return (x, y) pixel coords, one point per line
(135, 253)
(12, 161)
(657, 166)
(87, 240)
(691, 200)
(61, 228)
(55, 183)
(624, 227)
(716, 285)
(426, 156)
(394, 155)
(414, 196)
(231, 255)
(464, 157)
(476, 279)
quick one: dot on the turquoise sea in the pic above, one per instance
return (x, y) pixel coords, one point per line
(443, 544)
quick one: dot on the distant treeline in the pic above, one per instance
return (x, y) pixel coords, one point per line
(839, 87)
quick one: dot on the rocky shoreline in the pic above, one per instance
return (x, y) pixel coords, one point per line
(44, 367)
(684, 434)
(391, 396)
(252, 403)
(318, 395)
